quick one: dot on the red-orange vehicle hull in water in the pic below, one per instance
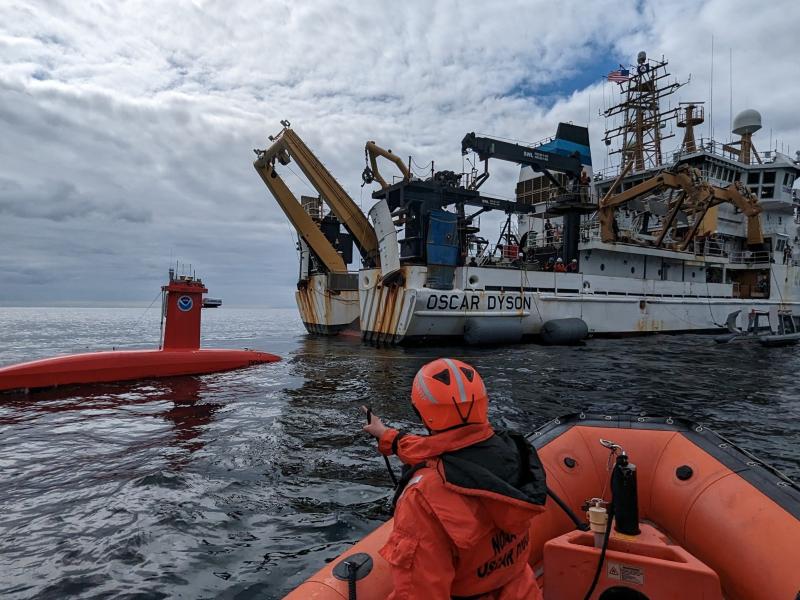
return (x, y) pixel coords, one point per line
(713, 521)
(122, 365)
(180, 352)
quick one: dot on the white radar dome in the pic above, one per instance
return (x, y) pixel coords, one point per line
(747, 121)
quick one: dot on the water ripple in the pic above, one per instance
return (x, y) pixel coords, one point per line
(241, 484)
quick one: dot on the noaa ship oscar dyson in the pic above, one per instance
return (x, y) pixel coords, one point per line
(658, 246)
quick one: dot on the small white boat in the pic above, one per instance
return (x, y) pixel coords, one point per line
(767, 327)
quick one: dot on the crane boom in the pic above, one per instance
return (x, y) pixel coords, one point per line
(287, 145)
(299, 218)
(565, 153)
(538, 159)
(695, 196)
(372, 173)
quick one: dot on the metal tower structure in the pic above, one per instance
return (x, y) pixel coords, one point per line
(643, 120)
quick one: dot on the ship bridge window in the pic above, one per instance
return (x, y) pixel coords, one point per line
(767, 191)
(769, 177)
(752, 177)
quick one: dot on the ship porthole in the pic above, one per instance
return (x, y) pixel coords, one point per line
(366, 281)
(473, 279)
(602, 266)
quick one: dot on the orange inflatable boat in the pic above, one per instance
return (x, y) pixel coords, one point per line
(693, 516)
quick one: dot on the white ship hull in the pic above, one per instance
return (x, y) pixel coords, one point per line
(411, 313)
(325, 311)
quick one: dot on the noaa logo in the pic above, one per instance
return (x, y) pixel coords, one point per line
(185, 303)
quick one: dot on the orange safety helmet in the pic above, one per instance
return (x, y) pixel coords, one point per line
(448, 393)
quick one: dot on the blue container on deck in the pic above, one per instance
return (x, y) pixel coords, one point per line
(442, 238)
(442, 249)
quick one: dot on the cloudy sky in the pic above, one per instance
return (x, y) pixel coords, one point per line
(127, 128)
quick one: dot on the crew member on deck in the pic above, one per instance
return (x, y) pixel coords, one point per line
(572, 267)
(560, 266)
(467, 497)
(585, 182)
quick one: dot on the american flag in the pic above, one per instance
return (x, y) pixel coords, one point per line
(619, 76)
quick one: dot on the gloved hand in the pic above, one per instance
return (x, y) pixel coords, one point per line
(375, 427)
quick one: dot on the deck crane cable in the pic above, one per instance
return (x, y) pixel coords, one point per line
(708, 299)
(533, 295)
(777, 285)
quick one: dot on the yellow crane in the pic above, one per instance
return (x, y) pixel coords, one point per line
(694, 197)
(288, 146)
(371, 172)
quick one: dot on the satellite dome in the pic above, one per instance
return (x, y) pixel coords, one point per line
(747, 121)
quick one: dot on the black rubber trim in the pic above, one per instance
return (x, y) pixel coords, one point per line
(770, 481)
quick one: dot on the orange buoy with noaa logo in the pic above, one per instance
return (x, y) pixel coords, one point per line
(179, 354)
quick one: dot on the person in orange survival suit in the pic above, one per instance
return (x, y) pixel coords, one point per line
(464, 509)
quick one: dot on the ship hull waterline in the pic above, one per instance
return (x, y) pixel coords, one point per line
(412, 313)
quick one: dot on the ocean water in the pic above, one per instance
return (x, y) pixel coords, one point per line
(242, 484)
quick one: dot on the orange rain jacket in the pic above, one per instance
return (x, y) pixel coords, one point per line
(461, 525)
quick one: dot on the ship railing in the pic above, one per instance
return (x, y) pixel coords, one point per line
(485, 256)
(708, 248)
(750, 258)
(511, 255)
(542, 240)
(708, 145)
(590, 231)
(313, 206)
(494, 256)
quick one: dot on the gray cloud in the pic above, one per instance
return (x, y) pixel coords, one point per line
(126, 132)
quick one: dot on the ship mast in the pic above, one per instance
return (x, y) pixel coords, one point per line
(643, 119)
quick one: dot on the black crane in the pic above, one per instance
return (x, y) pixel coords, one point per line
(540, 160)
(562, 154)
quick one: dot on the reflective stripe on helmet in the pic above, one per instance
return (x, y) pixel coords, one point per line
(420, 380)
(458, 377)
